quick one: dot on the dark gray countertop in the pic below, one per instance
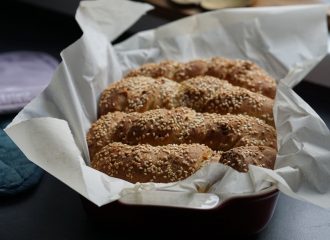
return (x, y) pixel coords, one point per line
(54, 211)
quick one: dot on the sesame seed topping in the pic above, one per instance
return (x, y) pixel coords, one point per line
(221, 107)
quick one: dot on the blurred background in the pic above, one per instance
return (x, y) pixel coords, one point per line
(183, 6)
(168, 10)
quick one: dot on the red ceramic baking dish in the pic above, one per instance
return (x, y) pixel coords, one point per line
(242, 215)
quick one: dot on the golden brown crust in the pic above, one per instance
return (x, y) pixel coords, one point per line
(203, 94)
(241, 73)
(239, 158)
(210, 94)
(138, 94)
(160, 130)
(170, 163)
(101, 131)
(146, 163)
(181, 125)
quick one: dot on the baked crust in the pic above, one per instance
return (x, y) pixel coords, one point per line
(239, 158)
(178, 126)
(202, 93)
(146, 163)
(241, 73)
(164, 121)
(138, 94)
(171, 163)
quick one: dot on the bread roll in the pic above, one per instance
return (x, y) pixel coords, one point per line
(203, 94)
(241, 73)
(178, 126)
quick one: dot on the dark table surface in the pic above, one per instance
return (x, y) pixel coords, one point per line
(52, 210)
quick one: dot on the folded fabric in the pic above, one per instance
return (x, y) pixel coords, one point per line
(23, 75)
(17, 173)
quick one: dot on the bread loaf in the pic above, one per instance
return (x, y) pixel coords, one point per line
(170, 163)
(146, 163)
(203, 94)
(241, 73)
(178, 126)
(164, 121)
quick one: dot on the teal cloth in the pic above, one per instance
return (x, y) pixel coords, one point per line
(17, 173)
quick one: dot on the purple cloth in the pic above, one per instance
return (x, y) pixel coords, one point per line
(23, 75)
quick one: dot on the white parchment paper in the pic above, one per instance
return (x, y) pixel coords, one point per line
(287, 41)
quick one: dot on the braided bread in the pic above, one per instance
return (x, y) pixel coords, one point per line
(163, 122)
(241, 73)
(170, 163)
(179, 126)
(203, 94)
